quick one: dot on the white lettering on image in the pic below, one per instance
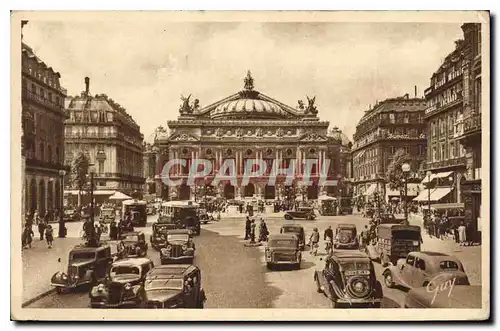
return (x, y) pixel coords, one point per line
(434, 286)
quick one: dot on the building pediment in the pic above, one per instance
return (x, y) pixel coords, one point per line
(313, 137)
(183, 136)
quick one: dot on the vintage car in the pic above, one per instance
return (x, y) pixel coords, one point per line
(301, 213)
(135, 244)
(86, 265)
(159, 237)
(107, 215)
(184, 214)
(180, 247)
(458, 296)
(203, 215)
(124, 285)
(71, 215)
(345, 237)
(174, 286)
(150, 209)
(296, 229)
(348, 277)
(345, 207)
(425, 269)
(394, 241)
(137, 209)
(283, 249)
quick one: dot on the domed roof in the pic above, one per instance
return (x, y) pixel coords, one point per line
(246, 107)
(337, 134)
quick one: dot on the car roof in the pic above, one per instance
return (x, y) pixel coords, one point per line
(349, 254)
(170, 270)
(179, 231)
(289, 225)
(282, 236)
(346, 225)
(83, 248)
(136, 261)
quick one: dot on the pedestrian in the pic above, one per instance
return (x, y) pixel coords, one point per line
(365, 236)
(49, 235)
(263, 231)
(469, 233)
(455, 234)
(252, 231)
(462, 234)
(248, 226)
(41, 227)
(113, 230)
(314, 240)
(27, 235)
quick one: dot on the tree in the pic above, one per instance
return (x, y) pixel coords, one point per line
(394, 175)
(79, 172)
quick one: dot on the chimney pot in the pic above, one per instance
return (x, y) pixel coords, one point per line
(87, 82)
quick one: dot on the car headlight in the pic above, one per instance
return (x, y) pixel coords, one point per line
(415, 242)
(64, 277)
(127, 287)
(184, 247)
(165, 251)
(100, 288)
(76, 277)
(169, 247)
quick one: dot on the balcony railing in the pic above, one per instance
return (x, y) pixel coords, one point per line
(90, 135)
(445, 163)
(117, 175)
(472, 123)
(43, 164)
(442, 106)
(41, 100)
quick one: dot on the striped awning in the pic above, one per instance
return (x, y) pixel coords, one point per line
(423, 196)
(440, 193)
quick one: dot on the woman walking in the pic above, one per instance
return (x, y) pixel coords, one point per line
(462, 234)
(49, 235)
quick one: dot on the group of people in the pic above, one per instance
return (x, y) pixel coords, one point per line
(45, 229)
(440, 226)
(250, 230)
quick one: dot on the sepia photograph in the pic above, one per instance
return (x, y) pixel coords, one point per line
(250, 165)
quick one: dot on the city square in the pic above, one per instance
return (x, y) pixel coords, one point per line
(250, 185)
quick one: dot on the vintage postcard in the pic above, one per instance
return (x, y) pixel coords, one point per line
(250, 166)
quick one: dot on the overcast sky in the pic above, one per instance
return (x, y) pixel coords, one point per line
(146, 67)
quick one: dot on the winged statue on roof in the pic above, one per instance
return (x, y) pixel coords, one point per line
(311, 107)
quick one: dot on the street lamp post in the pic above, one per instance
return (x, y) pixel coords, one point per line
(429, 192)
(406, 170)
(62, 225)
(91, 170)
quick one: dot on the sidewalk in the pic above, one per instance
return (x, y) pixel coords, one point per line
(469, 255)
(40, 263)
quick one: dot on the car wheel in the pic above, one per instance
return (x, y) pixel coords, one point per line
(297, 266)
(59, 290)
(269, 266)
(288, 217)
(334, 304)
(388, 280)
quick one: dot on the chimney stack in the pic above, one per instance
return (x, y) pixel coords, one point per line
(415, 91)
(407, 96)
(87, 82)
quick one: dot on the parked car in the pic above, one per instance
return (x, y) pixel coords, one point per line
(179, 247)
(301, 213)
(461, 296)
(71, 215)
(283, 249)
(86, 266)
(135, 244)
(174, 286)
(346, 237)
(107, 215)
(296, 229)
(123, 286)
(394, 241)
(424, 268)
(159, 237)
(348, 277)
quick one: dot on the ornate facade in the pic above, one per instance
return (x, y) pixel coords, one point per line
(101, 128)
(245, 125)
(392, 124)
(43, 118)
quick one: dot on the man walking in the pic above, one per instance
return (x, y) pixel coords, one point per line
(314, 239)
(248, 226)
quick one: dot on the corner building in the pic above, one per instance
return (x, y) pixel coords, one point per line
(453, 119)
(245, 125)
(109, 136)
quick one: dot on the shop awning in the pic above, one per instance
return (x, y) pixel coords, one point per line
(97, 192)
(423, 195)
(440, 193)
(443, 174)
(440, 206)
(370, 190)
(428, 179)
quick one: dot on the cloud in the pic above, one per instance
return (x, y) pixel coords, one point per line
(146, 67)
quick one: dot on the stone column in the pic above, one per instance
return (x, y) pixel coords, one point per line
(458, 180)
